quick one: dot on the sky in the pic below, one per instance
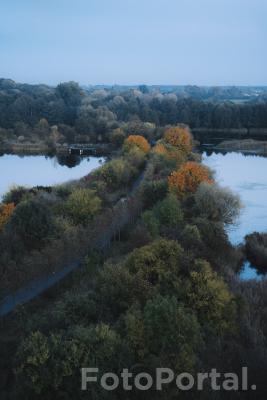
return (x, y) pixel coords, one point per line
(202, 42)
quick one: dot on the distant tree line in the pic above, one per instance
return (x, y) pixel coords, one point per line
(68, 113)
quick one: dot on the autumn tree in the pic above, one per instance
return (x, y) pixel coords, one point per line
(139, 141)
(6, 211)
(188, 178)
(179, 137)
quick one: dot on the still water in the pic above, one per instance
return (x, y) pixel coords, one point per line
(247, 176)
(244, 174)
(42, 170)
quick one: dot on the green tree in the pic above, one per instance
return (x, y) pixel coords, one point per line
(32, 221)
(158, 265)
(209, 296)
(179, 336)
(151, 223)
(117, 173)
(217, 204)
(82, 205)
(169, 212)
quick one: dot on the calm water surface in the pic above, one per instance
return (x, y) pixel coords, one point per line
(43, 171)
(247, 176)
(244, 174)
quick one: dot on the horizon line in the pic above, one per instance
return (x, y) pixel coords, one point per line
(134, 84)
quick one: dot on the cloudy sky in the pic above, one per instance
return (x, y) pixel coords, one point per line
(204, 42)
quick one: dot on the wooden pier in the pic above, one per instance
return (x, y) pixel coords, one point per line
(89, 149)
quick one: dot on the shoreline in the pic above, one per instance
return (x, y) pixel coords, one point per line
(29, 149)
(244, 145)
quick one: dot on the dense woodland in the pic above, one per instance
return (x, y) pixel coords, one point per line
(68, 113)
(158, 284)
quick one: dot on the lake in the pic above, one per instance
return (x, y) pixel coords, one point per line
(43, 170)
(245, 175)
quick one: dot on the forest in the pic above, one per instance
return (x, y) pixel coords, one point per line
(69, 113)
(158, 284)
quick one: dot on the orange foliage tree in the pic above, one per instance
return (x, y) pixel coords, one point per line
(179, 137)
(188, 178)
(139, 141)
(5, 212)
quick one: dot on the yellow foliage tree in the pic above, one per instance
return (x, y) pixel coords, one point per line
(179, 137)
(139, 141)
(5, 213)
(188, 178)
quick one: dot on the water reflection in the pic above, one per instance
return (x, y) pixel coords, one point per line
(43, 170)
(246, 175)
(70, 160)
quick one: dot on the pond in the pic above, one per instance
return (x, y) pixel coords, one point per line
(245, 175)
(43, 170)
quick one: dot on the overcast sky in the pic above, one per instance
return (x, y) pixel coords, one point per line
(204, 42)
